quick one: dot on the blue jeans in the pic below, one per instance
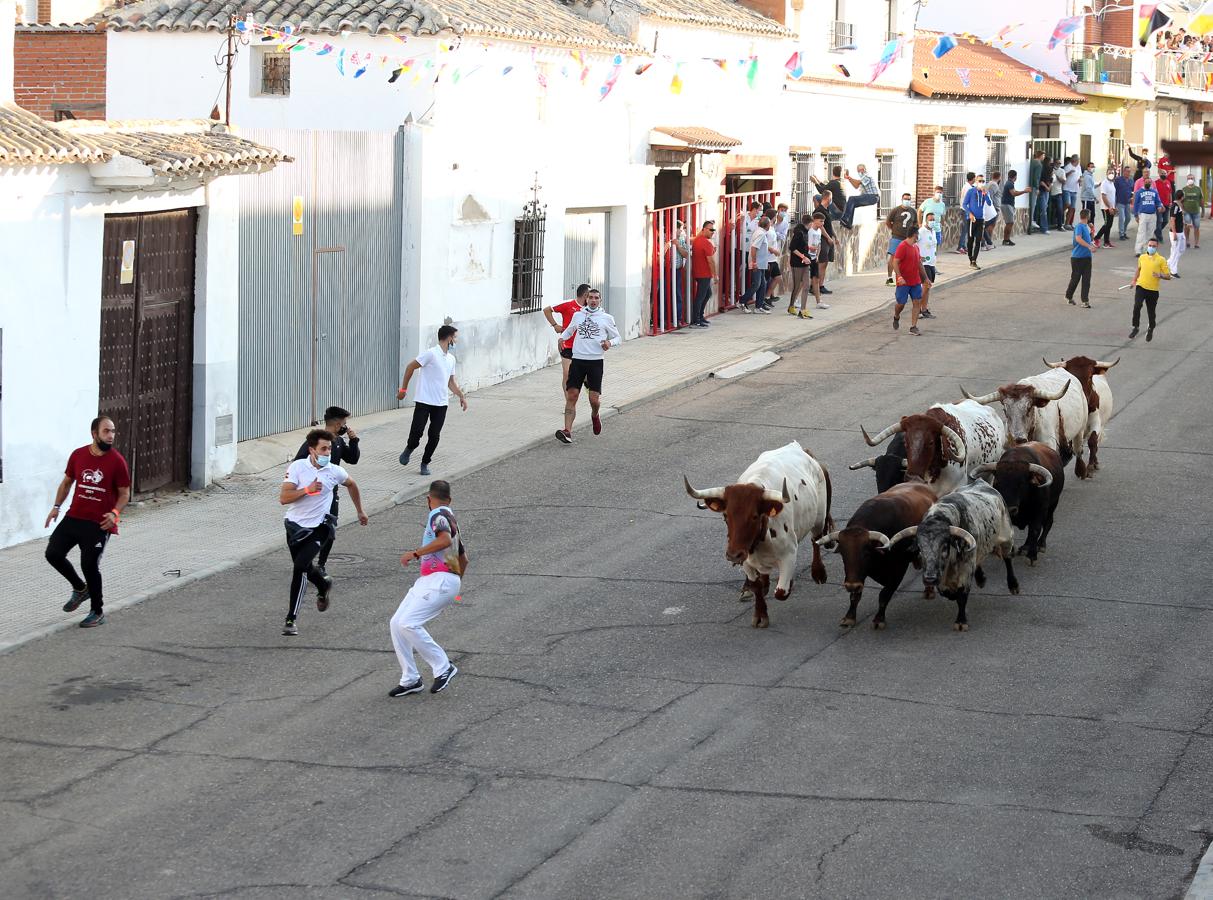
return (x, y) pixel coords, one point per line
(757, 288)
(1070, 198)
(853, 203)
(1122, 220)
(1041, 213)
(1058, 202)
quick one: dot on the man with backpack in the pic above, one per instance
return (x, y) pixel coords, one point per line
(443, 561)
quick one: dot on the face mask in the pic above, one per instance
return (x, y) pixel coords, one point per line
(1151, 250)
(981, 184)
(905, 201)
(342, 430)
(105, 446)
(323, 461)
(938, 195)
(1191, 181)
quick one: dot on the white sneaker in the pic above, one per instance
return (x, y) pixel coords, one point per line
(747, 310)
(823, 306)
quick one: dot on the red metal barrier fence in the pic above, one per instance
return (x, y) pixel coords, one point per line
(671, 289)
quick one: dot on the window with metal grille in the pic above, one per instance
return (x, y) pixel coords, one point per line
(996, 154)
(275, 72)
(885, 182)
(802, 187)
(529, 230)
(828, 162)
(953, 167)
(1116, 149)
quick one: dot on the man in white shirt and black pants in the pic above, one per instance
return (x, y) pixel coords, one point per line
(594, 331)
(307, 492)
(437, 377)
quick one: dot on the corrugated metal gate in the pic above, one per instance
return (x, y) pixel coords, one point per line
(147, 341)
(320, 312)
(586, 249)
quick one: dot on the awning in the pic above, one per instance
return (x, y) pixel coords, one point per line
(692, 138)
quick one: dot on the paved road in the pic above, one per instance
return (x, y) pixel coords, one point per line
(618, 729)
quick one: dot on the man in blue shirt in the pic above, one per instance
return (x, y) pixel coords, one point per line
(1124, 200)
(974, 216)
(1146, 206)
(1080, 260)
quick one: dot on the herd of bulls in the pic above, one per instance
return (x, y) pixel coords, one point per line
(936, 509)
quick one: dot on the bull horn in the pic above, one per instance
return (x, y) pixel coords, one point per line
(826, 539)
(881, 538)
(710, 494)
(903, 534)
(957, 531)
(1038, 394)
(1056, 365)
(882, 437)
(954, 439)
(864, 464)
(984, 399)
(985, 469)
(1100, 364)
(777, 497)
(1043, 473)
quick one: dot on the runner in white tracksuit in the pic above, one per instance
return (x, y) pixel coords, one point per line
(433, 592)
(594, 331)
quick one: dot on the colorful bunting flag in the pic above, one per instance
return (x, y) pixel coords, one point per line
(643, 67)
(1063, 29)
(887, 57)
(842, 70)
(753, 72)
(1202, 22)
(945, 43)
(676, 82)
(341, 61)
(795, 69)
(1150, 19)
(612, 77)
(963, 75)
(1037, 77)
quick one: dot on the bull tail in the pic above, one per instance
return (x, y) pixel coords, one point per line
(829, 499)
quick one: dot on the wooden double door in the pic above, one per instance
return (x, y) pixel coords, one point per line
(147, 337)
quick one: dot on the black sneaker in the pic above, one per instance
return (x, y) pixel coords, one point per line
(1071, 301)
(914, 331)
(1149, 337)
(1086, 305)
(1174, 274)
(889, 282)
(404, 457)
(425, 469)
(926, 314)
(441, 681)
(975, 267)
(93, 619)
(289, 627)
(563, 436)
(1008, 243)
(1133, 333)
(323, 594)
(826, 290)
(896, 322)
(401, 689)
(74, 601)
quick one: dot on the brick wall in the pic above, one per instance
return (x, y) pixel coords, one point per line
(1118, 27)
(924, 182)
(60, 69)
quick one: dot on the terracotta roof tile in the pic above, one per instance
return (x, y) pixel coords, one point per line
(726, 15)
(175, 149)
(528, 21)
(699, 138)
(939, 77)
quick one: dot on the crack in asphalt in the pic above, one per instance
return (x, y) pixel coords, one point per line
(834, 848)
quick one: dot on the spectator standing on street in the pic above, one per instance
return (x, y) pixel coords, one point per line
(1150, 267)
(1086, 190)
(1124, 201)
(758, 260)
(1107, 201)
(336, 423)
(928, 246)
(799, 263)
(680, 248)
(910, 278)
(307, 493)
(1009, 193)
(443, 560)
(775, 245)
(594, 333)
(1069, 190)
(994, 189)
(974, 208)
(745, 229)
(901, 220)
(934, 206)
(1033, 186)
(869, 194)
(1057, 199)
(566, 311)
(1080, 260)
(437, 367)
(962, 238)
(829, 243)
(1165, 192)
(1146, 209)
(703, 271)
(1043, 191)
(1194, 201)
(103, 487)
(1179, 243)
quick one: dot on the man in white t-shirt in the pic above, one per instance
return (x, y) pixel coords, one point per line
(307, 493)
(1069, 190)
(928, 248)
(437, 367)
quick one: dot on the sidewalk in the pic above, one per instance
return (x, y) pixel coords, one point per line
(168, 542)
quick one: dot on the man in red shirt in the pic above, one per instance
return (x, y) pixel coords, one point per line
(103, 487)
(907, 265)
(703, 271)
(567, 310)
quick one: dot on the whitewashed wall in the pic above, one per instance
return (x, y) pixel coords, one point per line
(52, 221)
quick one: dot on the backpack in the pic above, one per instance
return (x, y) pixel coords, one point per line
(455, 558)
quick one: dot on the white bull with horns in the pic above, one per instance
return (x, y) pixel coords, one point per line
(1092, 374)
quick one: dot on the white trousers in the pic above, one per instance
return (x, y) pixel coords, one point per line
(1179, 243)
(428, 596)
(1145, 231)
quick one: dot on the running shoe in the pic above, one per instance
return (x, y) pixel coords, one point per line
(322, 595)
(401, 689)
(804, 315)
(1086, 305)
(425, 469)
(826, 290)
(1008, 243)
(597, 423)
(1071, 301)
(761, 309)
(564, 437)
(289, 627)
(822, 305)
(74, 601)
(1174, 274)
(441, 681)
(975, 267)
(914, 331)
(93, 619)
(889, 282)
(926, 314)
(1133, 333)
(748, 310)
(791, 310)
(896, 322)
(404, 457)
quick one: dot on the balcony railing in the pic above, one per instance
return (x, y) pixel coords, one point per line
(1103, 69)
(842, 34)
(1186, 73)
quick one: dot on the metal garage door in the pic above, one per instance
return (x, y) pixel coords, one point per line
(586, 252)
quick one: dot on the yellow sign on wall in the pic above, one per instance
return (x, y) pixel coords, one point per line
(297, 216)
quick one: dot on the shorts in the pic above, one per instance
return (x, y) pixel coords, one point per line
(1192, 219)
(566, 352)
(1008, 213)
(907, 292)
(827, 254)
(894, 243)
(586, 372)
(1069, 196)
(930, 270)
(772, 270)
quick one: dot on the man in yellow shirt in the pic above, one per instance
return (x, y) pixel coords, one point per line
(1150, 267)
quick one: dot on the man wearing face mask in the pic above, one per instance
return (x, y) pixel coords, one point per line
(1150, 268)
(934, 205)
(307, 493)
(900, 221)
(1194, 202)
(343, 454)
(436, 381)
(594, 330)
(103, 487)
(974, 212)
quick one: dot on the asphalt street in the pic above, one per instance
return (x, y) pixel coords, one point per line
(617, 728)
